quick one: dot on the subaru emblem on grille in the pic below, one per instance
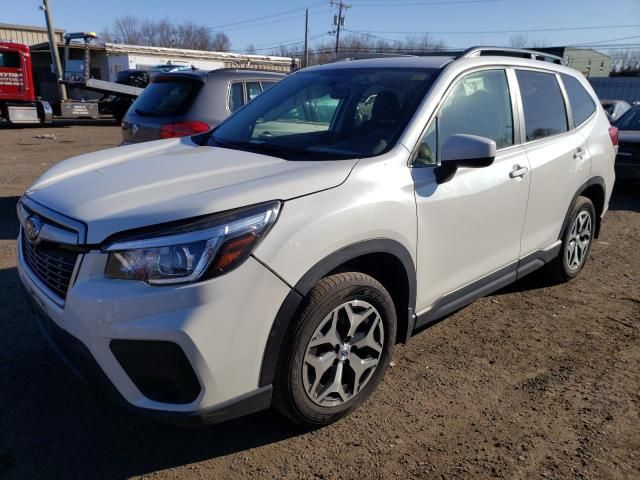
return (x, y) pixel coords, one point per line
(32, 227)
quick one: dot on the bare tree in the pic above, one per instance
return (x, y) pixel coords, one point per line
(251, 49)
(519, 41)
(323, 52)
(523, 41)
(625, 62)
(164, 33)
(220, 42)
(192, 36)
(127, 30)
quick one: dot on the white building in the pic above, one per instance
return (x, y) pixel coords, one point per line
(123, 57)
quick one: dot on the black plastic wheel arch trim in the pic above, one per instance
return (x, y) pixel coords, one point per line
(589, 183)
(293, 300)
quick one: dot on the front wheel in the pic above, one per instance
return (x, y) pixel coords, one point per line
(576, 241)
(337, 351)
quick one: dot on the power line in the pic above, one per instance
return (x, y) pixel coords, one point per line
(270, 46)
(273, 15)
(320, 51)
(368, 35)
(288, 18)
(606, 41)
(420, 4)
(471, 32)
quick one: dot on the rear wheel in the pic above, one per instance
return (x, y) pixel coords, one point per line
(576, 241)
(338, 350)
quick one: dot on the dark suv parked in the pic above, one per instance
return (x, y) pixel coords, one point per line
(178, 104)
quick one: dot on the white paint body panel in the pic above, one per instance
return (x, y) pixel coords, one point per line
(469, 226)
(150, 183)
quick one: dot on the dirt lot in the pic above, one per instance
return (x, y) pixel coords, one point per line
(536, 381)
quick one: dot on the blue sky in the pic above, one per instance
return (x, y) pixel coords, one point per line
(282, 21)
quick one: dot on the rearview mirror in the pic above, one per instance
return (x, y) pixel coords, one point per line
(462, 150)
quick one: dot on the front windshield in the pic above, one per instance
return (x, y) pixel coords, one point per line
(328, 114)
(630, 120)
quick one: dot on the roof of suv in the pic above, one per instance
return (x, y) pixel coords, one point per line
(389, 62)
(438, 60)
(223, 73)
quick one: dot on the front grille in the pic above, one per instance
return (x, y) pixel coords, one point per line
(51, 263)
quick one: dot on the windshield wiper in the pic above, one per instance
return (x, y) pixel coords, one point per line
(280, 151)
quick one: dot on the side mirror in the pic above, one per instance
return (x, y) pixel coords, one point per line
(462, 150)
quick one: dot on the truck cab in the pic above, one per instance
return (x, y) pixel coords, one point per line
(18, 102)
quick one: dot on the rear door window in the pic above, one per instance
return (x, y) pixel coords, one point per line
(236, 96)
(168, 96)
(267, 85)
(544, 111)
(582, 105)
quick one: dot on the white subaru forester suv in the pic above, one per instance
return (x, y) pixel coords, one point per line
(279, 258)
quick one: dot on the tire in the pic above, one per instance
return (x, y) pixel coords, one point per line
(339, 305)
(567, 265)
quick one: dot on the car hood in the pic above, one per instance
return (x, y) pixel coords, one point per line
(630, 136)
(146, 184)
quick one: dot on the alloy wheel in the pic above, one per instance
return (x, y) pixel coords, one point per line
(578, 241)
(343, 353)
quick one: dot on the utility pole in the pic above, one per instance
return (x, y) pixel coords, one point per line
(53, 46)
(306, 39)
(339, 20)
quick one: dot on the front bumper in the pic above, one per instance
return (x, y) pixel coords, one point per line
(222, 334)
(79, 359)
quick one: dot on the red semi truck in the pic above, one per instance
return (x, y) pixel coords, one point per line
(18, 103)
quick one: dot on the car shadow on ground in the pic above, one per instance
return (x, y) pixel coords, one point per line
(53, 427)
(8, 218)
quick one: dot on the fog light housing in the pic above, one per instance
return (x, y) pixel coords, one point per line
(159, 369)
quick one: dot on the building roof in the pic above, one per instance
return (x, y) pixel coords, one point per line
(561, 51)
(201, 54)
(31, 28)
(227, 57)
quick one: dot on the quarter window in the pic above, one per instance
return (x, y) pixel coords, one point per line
(544, 111)
(582, 105)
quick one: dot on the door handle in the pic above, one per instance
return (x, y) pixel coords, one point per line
(518, 172)
(579, 154)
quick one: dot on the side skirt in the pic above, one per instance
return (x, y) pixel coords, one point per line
(462, 297)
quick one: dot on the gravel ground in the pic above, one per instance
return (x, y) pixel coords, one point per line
(536, 381)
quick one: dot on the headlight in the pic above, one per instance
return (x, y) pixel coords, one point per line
(204, 248)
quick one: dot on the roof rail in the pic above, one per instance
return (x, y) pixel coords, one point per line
(348, 57)
(512, 52)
